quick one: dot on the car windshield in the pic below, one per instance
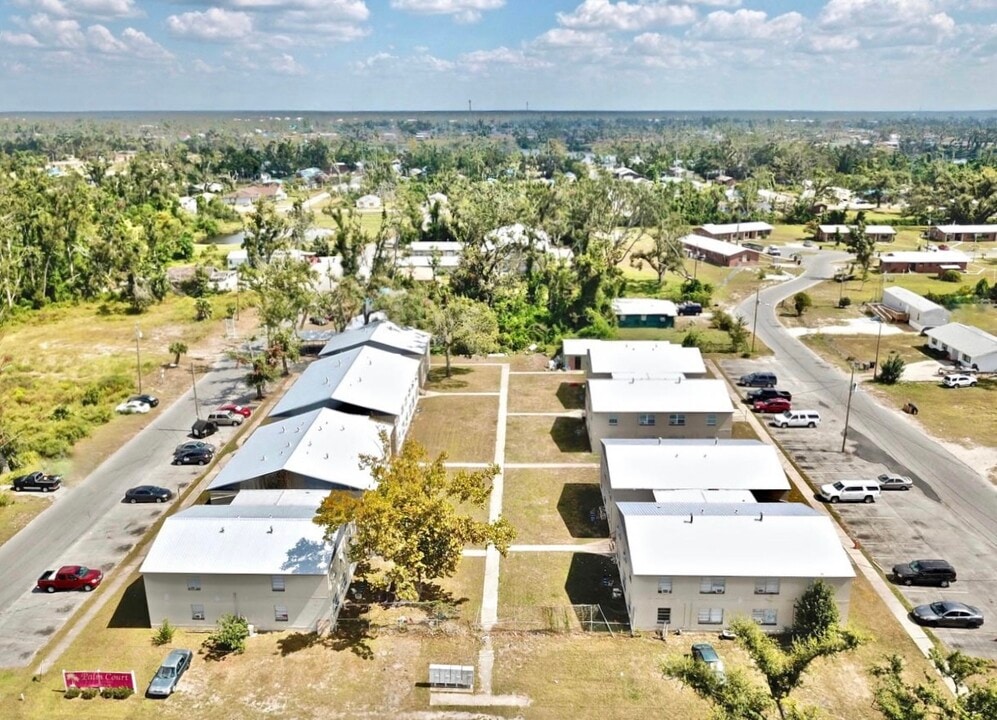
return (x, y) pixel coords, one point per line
(915, 566)
(708, 654)
(838, 486)
(82, 571)
(938, 608)
(166, 672)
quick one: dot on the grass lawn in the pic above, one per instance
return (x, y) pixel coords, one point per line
(463, 378)
(551, 507)
(547, 440)
(981, 316)
(531, 581)
(22, 509)
(555, 392)
(463, 427)
(743, 431)
(963, 415)
(782, 234)
(839, 348)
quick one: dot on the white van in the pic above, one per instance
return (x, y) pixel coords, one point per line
(850, 491)
(797, 418)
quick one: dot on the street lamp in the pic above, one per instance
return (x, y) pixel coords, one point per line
(138, 356)
(848, 407)
(879, 337)
(754, 320)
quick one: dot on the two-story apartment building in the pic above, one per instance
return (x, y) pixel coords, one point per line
(646, 358)
(384, 335)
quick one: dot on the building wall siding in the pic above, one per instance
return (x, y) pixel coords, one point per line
(628, 426)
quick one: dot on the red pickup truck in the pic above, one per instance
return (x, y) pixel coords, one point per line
(70, 577)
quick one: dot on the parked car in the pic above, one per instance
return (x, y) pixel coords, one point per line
(192, 445)
(892, 481)
(37, 481)
(850, 491)
(946, 613)
(704, 653)
(797, 418)
(774, 250)
(203, 428)
(164, 682)
(774, 405)
(197, 456)
(130, 407)
(925, 572)
(148, 493)
(689, 308)
(150, 400)
(808, 243)
(958, 381)
(226, 417)
(237, 409)
(70, 577)
(767, 394)
(759, 379)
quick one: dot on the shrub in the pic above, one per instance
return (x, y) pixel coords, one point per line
(844, 302)
(118, 693)
(891, 370)
(164, 634)
(71, 693)
(816, 613)
(230, 635)
(721, 320)
(203, 309)
(88, 693)
(801, 302)
(951, 276)
(5, 499)
(691, 339)
(91, 396)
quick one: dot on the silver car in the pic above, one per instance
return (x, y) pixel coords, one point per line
(166, 678)
(892, 481)
(947, 613)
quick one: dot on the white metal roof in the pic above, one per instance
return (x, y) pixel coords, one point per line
(646, 356)
(426, 247)
(967, 339)
(325, 445)
(426, 261)
(975, 229)
(364, 377)
(752, 226)
(831, 229)
(663, 464)
(232, 540)
(869, 229)
(703, 496)
(579, 346)
(652, 396)
(644, 306)
(740, 540)
(647, 375)
(280, 498)
(880, 230)
(938, 256)
(383, 333)
(712, 245)
(910, 298)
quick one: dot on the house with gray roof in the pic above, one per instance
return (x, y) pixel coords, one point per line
(966, 345)
(384, 335)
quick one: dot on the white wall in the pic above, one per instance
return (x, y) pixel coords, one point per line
(628, 426)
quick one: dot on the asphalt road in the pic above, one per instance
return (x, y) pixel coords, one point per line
(88, 524)
(952, 511)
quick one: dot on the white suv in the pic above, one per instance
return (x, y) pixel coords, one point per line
(958, 380)
(850, 491)
(797, 418)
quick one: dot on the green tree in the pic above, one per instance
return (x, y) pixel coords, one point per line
(266, 233)
(262, 369)
(410, 520)
(891, 370)
(464, 326)
(899, 698)
(816, 612)
(982, 289)
(862, 245)
(203, 310)
(286, 347)
(230, 635)
(178, 348)
(666, 252)
(801, 303)
(734, 698)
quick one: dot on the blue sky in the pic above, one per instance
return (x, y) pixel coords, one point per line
(501, 54)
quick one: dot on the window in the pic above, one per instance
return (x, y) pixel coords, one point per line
(646, 420)
(277, 583)
(194, 583)
(711, 616)
(197, 612)
(664, 586)
(764, 617)
(713, 586)
(664, 616)
(676, 420)
(280, 613)
(767, 586)
(711, 420)
(614, 421)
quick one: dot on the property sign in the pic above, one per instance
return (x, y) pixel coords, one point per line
(98, 679)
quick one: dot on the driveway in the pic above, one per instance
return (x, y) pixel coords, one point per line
(950, 513)
(88, 524)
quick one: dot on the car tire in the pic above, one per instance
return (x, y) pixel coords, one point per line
(833, 499)
(132, 501)
(811, 425)
(50, 589)
(202, 462)
(87, 588)
(868, 499)
(16, 488)
(783, 426)
(46, 489)
(159, 499)
(944, 583)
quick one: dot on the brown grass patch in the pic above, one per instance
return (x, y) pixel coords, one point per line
(551, 507)
(547, 440)
(556, 392)
(464, 378)
(463, 427)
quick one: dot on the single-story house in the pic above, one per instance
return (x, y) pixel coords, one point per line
(641, 358)
(735, 232)
(656, 408)
(317, 450)
(246, 197)
(422, 248)
(964, 233)
(965, 344)
(697, 566)
(718, 252)
(644, 312)
(576, 350)
(385, 335)
(369, 202)
(639, 470)
(364, 381)
(267, 563)
(878, 233)
(923, 262)
(921, 312)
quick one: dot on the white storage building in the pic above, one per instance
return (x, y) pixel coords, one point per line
(921, 312)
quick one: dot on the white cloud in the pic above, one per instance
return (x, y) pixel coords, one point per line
(24, 40)
(285, 64)
(749, 25)
(568, 38)
(851, 13)
(833, 43)
(345, 9)
(483, 61)
(82, 8)
(331, 26)
(214, 25)
(102, 40)
(141, 45)
(64, 34)
(607, 15)
(667, 51)
(464, 11)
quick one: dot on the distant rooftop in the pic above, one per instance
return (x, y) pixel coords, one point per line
(665, 396)
(382, 333)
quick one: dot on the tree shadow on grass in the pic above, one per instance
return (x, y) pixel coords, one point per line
(569, 435)
(576, 505)
(571, 395)
(132, 610)
(353, 632)
(437, 378)
(591, 579)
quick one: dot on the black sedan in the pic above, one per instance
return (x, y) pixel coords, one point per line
(197, 456)
(37, 481)
(148, 493)
(150, 400)
(947, 613)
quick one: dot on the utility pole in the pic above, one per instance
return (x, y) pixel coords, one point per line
(754, 320)
(138, 356)
(193, 384)
(879, 336)
(848, 408)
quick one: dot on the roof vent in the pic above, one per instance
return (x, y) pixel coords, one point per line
(761, 516)
(283, 429)
(270, 530)
(690, 518)
(222, 529)
(263, 458)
